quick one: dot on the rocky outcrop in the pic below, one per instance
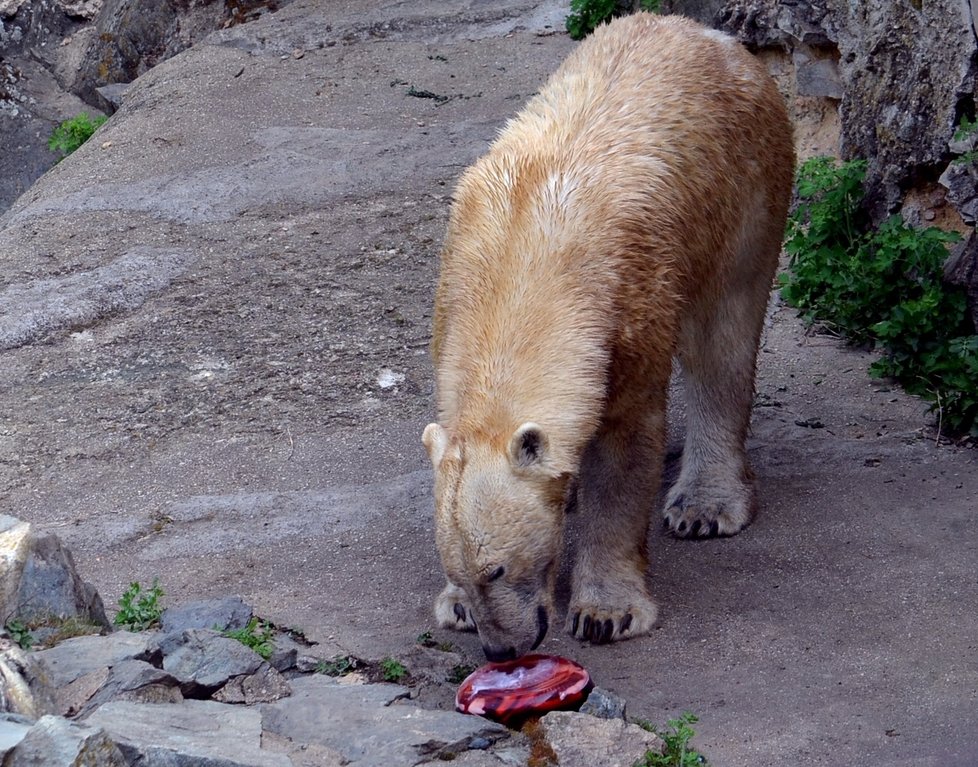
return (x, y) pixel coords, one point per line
(190, 695)
(63, 57)
(904, 77)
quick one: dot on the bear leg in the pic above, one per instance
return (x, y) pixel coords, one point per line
(714, 494)
(619, 478)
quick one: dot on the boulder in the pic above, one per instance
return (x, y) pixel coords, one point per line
(582, 739)
(38, 581)
(24, 687)
(56, 742)
(204, 661)
(127, 680)
(74, 658)
(193, 733)
(13, 728)
(371, 725)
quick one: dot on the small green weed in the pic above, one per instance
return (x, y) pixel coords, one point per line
(258, 639)
(587, 15)
(678, 752)
(340, 665)
(882, 288)
(139, 609)
(71, 134)
(966, 128)
(20, 633)
(392, 670)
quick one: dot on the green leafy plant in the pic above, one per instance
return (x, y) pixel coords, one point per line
(392, 670)
(256, 636)
(71, 134)
(140, 609)
(882, 288)
(678, 752)
(338, 666)
(587, 15)
(967, 127)
(20, 633)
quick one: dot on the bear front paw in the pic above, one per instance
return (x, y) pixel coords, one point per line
(452, 609)
(601, 624)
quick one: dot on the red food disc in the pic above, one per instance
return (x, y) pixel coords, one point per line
(533, 684)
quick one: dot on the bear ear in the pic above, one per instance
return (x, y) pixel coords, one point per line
(435, 440)
(528, 446)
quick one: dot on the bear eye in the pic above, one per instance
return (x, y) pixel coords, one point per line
(496, 574)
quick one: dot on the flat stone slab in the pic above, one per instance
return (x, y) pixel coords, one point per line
(13, 728)
(193, 733)
(56, 742)
(369, 725)
(76, 657)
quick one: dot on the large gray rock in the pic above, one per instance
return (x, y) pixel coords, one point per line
(13, 728)
(190, 734)
(38, 580)
(204, 660)
(580, 739)
(73, 658)
(127, 680)
(370, 725)
(24, 686)
(56, 742)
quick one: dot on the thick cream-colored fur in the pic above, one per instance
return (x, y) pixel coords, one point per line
(633, 211)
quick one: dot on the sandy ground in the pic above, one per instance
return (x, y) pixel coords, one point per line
(215, 318)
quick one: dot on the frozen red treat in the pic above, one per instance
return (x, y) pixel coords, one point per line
(515, 689)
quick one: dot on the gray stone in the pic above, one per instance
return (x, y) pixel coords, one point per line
(129, 680)
(818, 77)
(580, 739)
(24, 686)
(134, 36)
(110, 96)
(371, 726)
(217, 614)
(73, 658)
(189, 734)
(264, 686)
(961, 181)
(56, 742)
(204, 660)
(604, 704)
(13, 728)
(38, 580)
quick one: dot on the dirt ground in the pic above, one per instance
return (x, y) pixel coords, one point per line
(215, 318)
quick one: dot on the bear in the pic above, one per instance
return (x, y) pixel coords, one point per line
(630, 214)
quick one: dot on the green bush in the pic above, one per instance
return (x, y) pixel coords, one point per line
(587, 15)
(71, 134)
(882, 288)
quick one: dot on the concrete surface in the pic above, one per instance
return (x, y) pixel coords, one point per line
(219, 376)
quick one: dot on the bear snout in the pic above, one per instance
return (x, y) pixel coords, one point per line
(497, 652)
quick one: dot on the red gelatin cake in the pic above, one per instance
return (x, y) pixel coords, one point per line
(533, 684)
